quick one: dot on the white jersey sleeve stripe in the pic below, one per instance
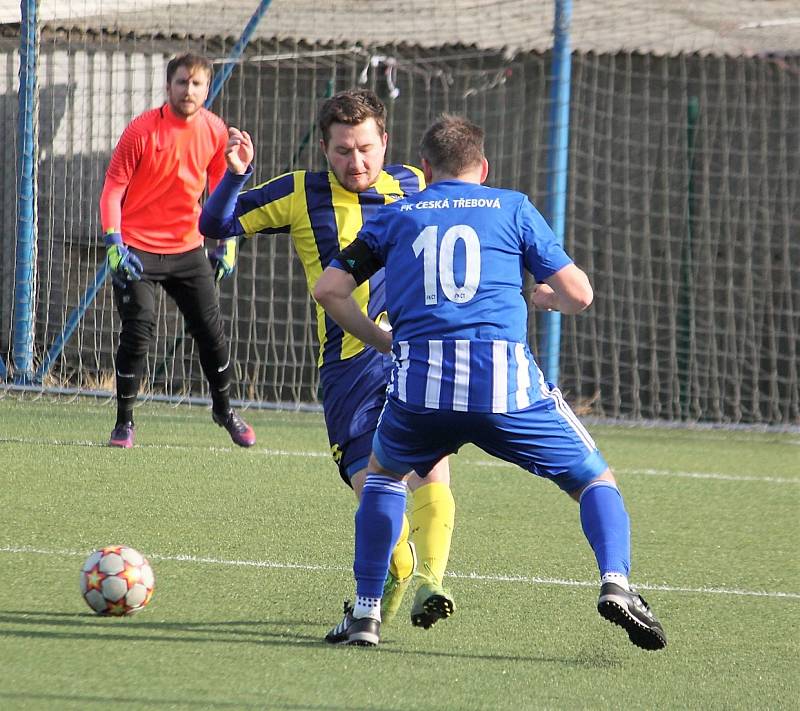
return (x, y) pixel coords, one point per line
(523, 377)
(402, 372)
(461, 380)
(544, 391)
(500, 376)
(433, 381)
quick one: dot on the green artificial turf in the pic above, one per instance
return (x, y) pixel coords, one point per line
(252, 552)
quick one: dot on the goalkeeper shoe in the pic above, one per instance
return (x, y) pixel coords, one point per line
(363, 631)
(431, 604)
(629, 610)
(241, 433)
(394, 588)
(122, 435)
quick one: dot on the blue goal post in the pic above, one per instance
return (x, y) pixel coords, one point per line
(24, 313)
(557, 170)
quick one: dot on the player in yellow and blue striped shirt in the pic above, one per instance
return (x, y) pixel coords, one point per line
(323, 212)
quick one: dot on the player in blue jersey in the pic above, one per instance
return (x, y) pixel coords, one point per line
(454, 257)
(323, 211)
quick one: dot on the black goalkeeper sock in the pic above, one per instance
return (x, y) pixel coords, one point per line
(219, 381)
(124, 410)
(220, 402)
(127, 389)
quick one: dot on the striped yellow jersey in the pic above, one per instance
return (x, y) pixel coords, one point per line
(322, 218)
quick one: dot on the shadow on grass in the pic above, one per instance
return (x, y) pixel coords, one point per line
(38, 625)
(139, 702)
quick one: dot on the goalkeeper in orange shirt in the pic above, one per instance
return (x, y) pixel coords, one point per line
(149, 210)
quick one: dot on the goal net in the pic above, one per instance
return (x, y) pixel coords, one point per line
(681, 202)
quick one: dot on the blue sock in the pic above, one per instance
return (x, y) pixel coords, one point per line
(607, 527)
(379, 521)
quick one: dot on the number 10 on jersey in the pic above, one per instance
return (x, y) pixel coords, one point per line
(438, 264)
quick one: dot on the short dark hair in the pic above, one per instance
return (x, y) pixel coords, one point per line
(351, 107)
(192, 62)
(452, 144)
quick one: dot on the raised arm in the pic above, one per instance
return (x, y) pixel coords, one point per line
(230, 210)
(217, 220)
(239, 151)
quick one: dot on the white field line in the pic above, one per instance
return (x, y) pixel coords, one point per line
(494, 578)
(162, 447)
(668, 472)
(325, 455)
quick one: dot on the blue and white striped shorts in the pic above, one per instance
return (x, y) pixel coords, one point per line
(546, 439)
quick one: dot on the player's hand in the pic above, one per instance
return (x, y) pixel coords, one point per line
(239, 151)
(223, 259)
(125, 265)
(385, 342)
(544, 297)
(382, 322)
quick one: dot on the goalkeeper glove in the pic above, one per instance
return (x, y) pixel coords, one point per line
(124, 264)
(223, 259)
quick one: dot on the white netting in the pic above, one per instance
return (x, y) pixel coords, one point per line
(682, 196)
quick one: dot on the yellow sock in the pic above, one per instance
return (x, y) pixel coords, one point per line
(433, 513)
(401, 564)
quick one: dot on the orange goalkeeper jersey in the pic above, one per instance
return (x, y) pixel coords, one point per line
(157, 175)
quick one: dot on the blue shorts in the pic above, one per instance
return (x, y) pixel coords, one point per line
(546, 439)
(353, 394)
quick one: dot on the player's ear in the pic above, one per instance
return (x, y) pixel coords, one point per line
(427, 171)
(484, 170)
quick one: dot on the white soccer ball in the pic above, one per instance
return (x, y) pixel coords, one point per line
(117, 580)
